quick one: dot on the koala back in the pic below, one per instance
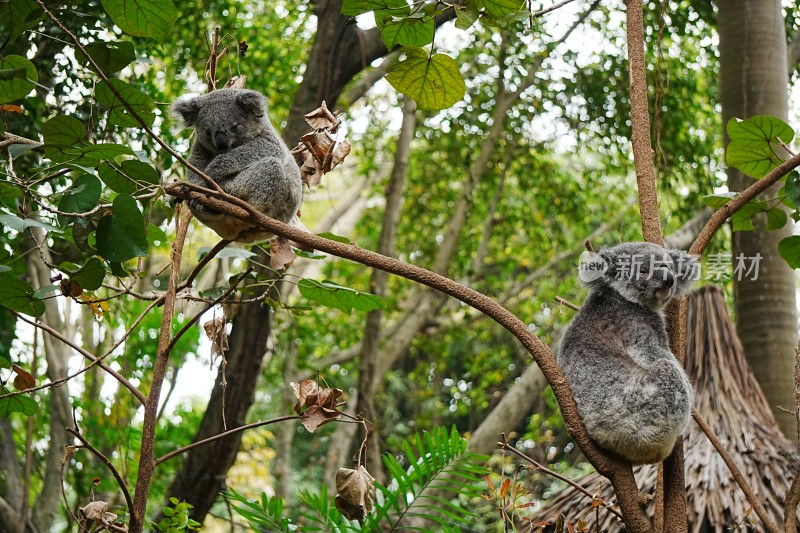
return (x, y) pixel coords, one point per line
(633, 396)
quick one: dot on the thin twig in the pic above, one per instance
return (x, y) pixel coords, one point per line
(114, 472)
(569, 304)
(94, 361)
(758, 507)
(203, 262)
(506, 446)
(203, 442)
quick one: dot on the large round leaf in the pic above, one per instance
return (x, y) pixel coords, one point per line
(17, 78)
(143, 18)
(121, 235)
(18, 296)
(118, 114)
(432, 82)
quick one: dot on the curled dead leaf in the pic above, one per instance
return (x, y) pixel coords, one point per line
(321, 118)
(355, 493)
(281, 254)
(301, 392)
(216, 332)
(94, 516)
(315, 416)
(24, 379)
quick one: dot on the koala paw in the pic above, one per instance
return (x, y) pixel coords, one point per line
(202, 212)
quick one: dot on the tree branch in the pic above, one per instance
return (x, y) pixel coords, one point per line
(114, 472)
(723, 213)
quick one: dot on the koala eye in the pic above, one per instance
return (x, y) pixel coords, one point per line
(236, 127)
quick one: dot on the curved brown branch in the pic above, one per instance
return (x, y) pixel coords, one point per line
(751, 496)
(222, 435)
(723, 213)
(619, 473)
(114, 472)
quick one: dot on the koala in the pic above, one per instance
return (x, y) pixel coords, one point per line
(237, 146)
(632, 394)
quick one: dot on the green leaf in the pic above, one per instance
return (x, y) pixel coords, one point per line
(20, 15)
(18, 296)
(110, 56)
(19, 224)
(118, 114)
(715, 201)
(143, 18)
(499, 9)
(82, 196)
(408, 32)
(333, 237)
(91, 276)
(432, 82)
(755, 144)
(466, 15)
(156, 235)
(18, 77)
(22, 403)
(789, 248)
(776, 218)
(352, 8)
(344, 298)
(128, 176)
(742, 219)
(63, 130)
(792, 188)
(121, 235)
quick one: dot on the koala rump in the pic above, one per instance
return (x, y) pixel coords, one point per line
(634, 398)
(237, 146)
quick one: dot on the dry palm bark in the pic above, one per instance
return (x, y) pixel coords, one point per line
(729, 397)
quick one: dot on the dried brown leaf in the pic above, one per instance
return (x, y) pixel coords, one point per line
(216, 332)
(281, 254)
(237, 82)
(356, 492)
(95, 513)
(301, 392)
(295, 222)
(24, 379)
(321, 118)
(339, 153)
(315, 416)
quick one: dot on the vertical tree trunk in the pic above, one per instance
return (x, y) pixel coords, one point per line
(203, 473)
(753, 81)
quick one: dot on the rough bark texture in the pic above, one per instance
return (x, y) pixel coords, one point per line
(203, 473)
(753, 81)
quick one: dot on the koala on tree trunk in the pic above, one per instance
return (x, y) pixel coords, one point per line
(632, 394)
(237, 146)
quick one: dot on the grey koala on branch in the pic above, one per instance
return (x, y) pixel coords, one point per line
(632, 394)
(237, 146)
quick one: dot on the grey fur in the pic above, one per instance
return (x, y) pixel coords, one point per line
(237, 146)
(633, 396)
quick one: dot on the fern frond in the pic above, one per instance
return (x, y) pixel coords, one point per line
(427, 491)
(266, 515)
(322, 515)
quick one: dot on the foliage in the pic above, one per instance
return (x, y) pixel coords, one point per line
(433, 481)
(176, 518)
(757, 146)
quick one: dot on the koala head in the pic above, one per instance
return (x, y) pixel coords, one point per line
(224, 119)
(643, 273)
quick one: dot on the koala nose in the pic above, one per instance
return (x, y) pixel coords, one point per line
(221, 140)
(669, 279)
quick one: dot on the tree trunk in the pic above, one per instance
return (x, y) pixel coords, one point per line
(753, 81)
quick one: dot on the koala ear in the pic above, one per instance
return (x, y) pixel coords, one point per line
(187, 109)
(686, 269)
(252, 102)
